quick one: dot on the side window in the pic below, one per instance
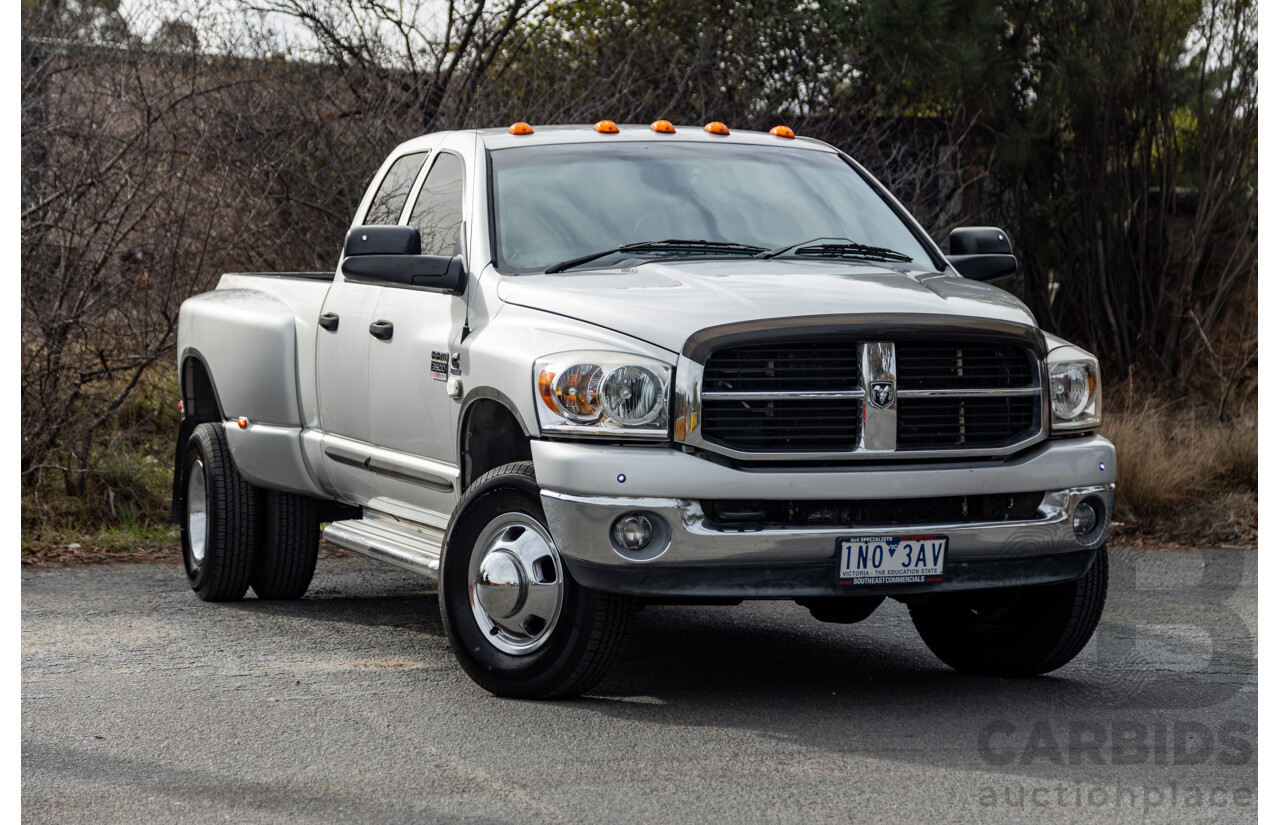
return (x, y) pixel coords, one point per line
(438, 211)
(394, 190)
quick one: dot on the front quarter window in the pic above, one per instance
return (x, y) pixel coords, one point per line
(393, 191)
(437, 214)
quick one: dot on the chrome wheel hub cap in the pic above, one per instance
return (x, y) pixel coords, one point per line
(197, 513)
(517, 583)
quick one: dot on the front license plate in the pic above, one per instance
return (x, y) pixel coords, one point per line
(891, 559)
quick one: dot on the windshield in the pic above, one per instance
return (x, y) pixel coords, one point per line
(557, 203)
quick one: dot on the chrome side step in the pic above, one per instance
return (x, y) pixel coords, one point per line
(412, 547)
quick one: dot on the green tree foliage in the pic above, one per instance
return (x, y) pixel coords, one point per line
(1118, 143)
(177, 35)
(85, 20)
(683, 60)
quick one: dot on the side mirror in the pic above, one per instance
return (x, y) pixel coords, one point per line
(981, 252)
(390, 256)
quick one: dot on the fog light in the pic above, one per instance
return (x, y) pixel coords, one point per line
(1085, 518)
(633, 532)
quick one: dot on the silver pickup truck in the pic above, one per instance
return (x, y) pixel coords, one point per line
(566, 371)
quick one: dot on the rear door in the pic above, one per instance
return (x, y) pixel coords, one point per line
(342, 349)
(413, 417)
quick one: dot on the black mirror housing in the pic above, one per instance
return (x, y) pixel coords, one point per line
(382, 240)
(436, 273)
(981, 252)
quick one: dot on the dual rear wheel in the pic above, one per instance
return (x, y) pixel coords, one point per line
(236, 536)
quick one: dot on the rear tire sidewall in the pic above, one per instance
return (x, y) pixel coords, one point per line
(288, 546)
(231, 513)
(198, 573)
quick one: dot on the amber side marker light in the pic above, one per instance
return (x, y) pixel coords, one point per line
(520, 128)
(715, 127)
(606, 127)
(243, 422)
(663, 126)
(782, 131)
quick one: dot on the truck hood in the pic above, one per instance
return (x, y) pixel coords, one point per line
(666, 302)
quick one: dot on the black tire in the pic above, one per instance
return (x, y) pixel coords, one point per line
(220, 564)
(288, 546)
(1014, 632)
(577, 647)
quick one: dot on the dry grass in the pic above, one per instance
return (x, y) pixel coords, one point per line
(1184, 475)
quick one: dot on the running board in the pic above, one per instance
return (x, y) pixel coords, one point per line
(415, 548)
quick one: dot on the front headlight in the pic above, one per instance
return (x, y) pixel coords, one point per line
(1075, 389)
(602, 394)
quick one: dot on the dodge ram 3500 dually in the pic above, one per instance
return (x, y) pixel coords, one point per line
(565, 371)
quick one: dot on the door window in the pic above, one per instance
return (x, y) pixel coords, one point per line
(437, 214)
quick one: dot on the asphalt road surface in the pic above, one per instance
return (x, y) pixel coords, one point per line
(142, 704)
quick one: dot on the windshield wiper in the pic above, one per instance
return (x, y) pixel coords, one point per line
(670, 244)
(844, 248)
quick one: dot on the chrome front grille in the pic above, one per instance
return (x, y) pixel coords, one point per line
(835, 396)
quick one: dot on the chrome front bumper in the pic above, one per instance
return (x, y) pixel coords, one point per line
(586, 487)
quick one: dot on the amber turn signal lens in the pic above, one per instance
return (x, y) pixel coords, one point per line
(545, 389)
(243, 422)
(663, 126)
(520, 128)
(607, 127)
(715, 127)
(782, 131)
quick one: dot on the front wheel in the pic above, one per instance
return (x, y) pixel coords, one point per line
(520, 626)
(1018, 631)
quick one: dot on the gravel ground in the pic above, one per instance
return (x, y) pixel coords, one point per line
(142, 704)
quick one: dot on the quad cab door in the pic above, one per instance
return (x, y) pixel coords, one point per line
(343, 341)
(413, 420)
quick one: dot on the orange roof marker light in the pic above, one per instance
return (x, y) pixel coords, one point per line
(520, 128)
(715, 127)
(782, 131)
(606, 127)
(663, 126)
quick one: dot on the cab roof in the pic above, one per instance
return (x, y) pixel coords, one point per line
(501, 138)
